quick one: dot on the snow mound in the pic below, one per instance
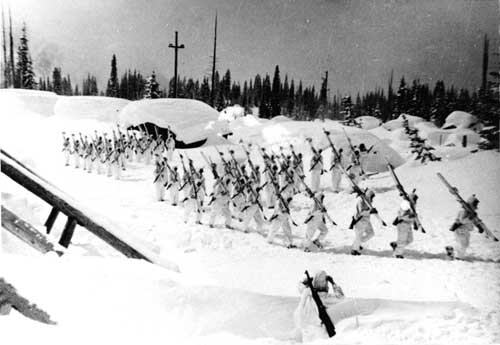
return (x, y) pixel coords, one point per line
(462, 120)
(398, 123)
(105, 109)
(39, 102)
(232, 112)
(188, 118)
(368, 122)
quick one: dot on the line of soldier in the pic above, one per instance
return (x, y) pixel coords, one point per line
(110, 155)
(243, 191)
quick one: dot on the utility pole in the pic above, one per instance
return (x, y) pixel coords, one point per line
(176, 47)
(484, 81)
(212, 94)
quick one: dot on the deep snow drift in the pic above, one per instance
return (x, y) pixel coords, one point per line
(233, 287)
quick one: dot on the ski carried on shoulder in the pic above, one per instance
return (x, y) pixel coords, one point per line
(355, 186)
(405, 195)
(323, 314)
(476, 220)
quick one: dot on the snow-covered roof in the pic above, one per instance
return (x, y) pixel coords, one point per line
(398, 123)
(188, 118)
(40, 102)
(232, 112)
(368, 122)
(105, 109)
(460, 119)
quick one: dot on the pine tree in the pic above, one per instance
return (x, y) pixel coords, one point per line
(265, 102)
(205, 90)
(113, 87)
(57, 81)
(152, 88)
(24, 68)
(276, 93)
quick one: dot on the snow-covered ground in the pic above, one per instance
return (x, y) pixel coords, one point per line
(233, 287)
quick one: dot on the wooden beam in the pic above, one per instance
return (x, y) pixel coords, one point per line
(53, 196)
(49, 223)
(26, 232)
(67, 233)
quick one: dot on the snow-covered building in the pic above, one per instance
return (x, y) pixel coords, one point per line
(398, 123)
(232, 112)
(462, 120)
(368, 122)
(188, 119)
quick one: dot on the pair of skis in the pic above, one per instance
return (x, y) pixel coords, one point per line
(476, 220)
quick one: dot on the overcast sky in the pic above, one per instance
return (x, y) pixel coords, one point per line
(357, 41)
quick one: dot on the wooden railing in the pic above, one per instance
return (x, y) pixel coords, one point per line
(63, 203)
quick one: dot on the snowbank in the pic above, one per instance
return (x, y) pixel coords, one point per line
(39, 102)
(188, 118)
(105, 109)
(232, 112)
(368, 122)
(281, 118)
(462, 120)
(398, 123)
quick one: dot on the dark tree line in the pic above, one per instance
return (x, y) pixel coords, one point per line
(272, 96)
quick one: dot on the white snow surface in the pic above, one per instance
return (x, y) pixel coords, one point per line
(105, 109)
(188, 118)
(233, 287)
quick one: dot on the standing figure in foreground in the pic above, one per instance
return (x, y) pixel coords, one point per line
(307, 322)
(361, 222)
(405, 222)
(462, 227)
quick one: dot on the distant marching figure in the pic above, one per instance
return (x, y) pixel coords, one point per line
(336, 171)
(281, 219)
(361, 223)
(170, 145)
(252, 210)
(107, 161)
(116, 162)
(160, 180)
(220, 200)
(316, 170)
(405, 222)
(462, 227)
(76, 153)
(316, 222)
(88, 157)
(191, 202)
(174, 186)
(66, 149)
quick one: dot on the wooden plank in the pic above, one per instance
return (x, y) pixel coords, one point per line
(67, 233)
(26, 232)
(35, 185)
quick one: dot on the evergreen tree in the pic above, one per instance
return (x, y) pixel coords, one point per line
(24, 69)
(205, 90)
(257, 90)
(276, 93)
(291, 98)
(57, 81)
(113, 87)
(152, 88)
(265, 102)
